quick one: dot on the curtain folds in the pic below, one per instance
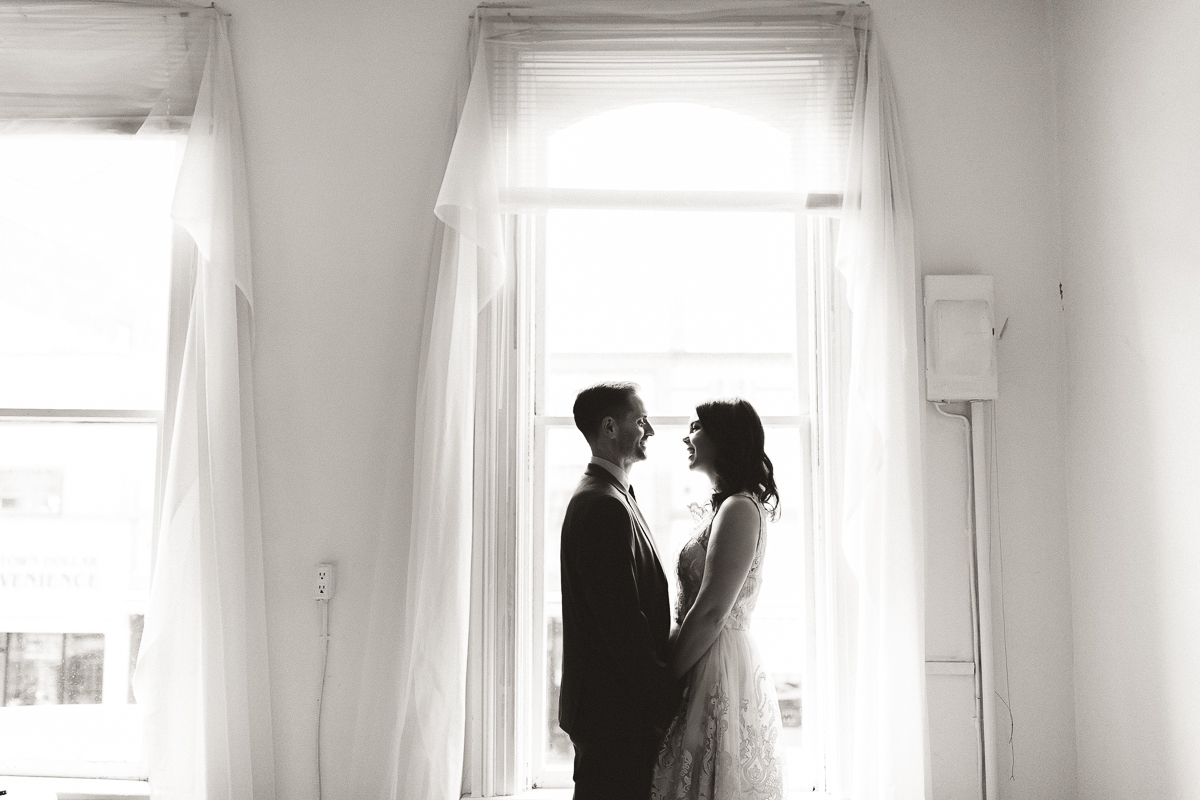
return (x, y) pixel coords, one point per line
(835, 100)
(151, 70)
(409, 741)
(882, 528)
(202, 670)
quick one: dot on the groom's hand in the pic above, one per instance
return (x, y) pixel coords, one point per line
(670, 701)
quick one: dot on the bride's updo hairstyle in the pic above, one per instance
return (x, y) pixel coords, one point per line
(741, 463)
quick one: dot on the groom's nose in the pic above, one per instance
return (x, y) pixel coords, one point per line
(649, 429)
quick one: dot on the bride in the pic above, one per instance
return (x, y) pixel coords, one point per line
(724, 741)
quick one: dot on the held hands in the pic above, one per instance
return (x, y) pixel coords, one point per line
(673, 691)
(682, 681)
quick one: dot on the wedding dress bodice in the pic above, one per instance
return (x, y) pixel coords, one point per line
(690, 570)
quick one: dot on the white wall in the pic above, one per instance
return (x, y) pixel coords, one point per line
(347, 111)
(347, 108)
(1129, 95)
(975, 92)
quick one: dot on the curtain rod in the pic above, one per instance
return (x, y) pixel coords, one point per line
(681, 12)
(181, 6)
(664, 6)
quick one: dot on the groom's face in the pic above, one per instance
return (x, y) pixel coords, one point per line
(633, 429)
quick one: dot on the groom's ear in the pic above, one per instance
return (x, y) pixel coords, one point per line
(608, 427)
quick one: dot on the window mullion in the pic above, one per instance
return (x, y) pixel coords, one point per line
(533, 200)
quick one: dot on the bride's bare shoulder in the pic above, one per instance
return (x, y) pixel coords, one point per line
(739, 513)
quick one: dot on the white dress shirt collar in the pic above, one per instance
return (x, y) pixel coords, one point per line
(618, 473)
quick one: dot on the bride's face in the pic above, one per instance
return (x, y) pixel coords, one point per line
(702, 451)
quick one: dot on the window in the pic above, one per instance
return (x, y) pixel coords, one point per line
(671, 190)
(85, 265)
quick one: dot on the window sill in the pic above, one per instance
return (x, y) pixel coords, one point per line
(75, 789)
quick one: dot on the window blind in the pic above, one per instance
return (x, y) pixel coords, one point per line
(795, 73)
(97, 66)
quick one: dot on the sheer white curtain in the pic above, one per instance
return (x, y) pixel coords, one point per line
(807, 70)
(202, 670)
(201, 678)
(882, 514)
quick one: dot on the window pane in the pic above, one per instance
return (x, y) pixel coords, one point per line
(53, 668)
(85, 238)
(691, 305)
(33, 676)
(566, 456)
(83, 668)
(559, 752)
(76, 503)
(778, 624)
(88, 559)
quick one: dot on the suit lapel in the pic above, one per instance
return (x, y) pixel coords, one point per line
(639, 521)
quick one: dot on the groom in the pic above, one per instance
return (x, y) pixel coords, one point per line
(617, 692)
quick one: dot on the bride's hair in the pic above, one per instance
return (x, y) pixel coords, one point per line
(741, 463)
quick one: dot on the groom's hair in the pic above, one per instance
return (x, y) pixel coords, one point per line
(598, 401)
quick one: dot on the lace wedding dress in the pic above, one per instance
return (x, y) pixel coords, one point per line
(724, 743)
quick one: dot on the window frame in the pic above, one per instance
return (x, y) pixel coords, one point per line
(502, 725)
(505, 723)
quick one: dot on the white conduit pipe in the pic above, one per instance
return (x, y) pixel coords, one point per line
(983, 721)
(983, 460)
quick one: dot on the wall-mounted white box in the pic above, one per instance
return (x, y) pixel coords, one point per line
(960, 338)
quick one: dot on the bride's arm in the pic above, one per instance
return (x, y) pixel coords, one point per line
(730, 552)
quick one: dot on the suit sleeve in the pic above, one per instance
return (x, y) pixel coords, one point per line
(608, 582)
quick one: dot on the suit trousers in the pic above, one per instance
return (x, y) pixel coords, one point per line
(615, 766)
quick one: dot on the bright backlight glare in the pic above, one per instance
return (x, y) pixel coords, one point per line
(85, 242)
(655, 281)
(671, 146)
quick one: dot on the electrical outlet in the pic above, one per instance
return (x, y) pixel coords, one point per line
(323, 587)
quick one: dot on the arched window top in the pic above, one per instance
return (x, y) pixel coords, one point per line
(671, 146)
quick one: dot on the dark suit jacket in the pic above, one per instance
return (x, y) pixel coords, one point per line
(616, 616)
